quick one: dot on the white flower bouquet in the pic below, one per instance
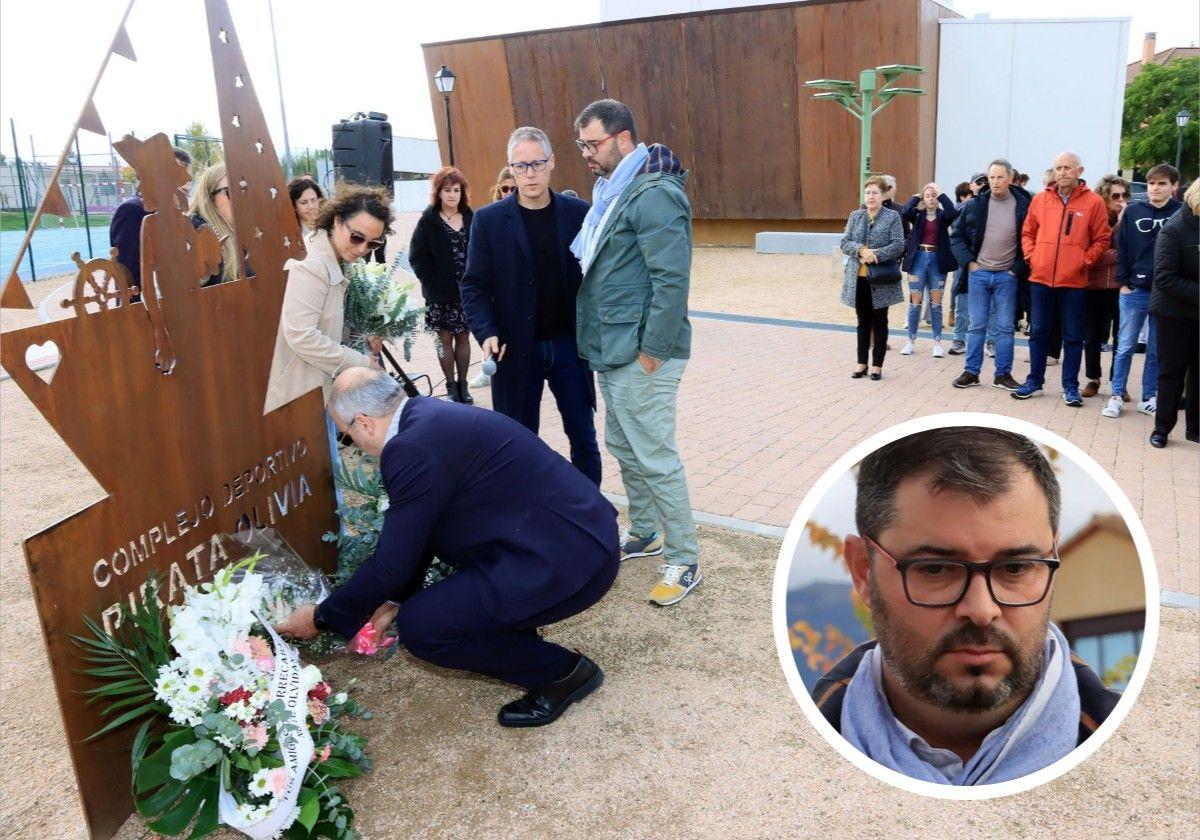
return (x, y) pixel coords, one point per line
(237, 731)
(377, 303)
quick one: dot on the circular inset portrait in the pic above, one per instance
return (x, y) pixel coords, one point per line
(965, 605)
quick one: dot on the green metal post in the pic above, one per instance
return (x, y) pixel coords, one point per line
(24, 199)
(866, 86)
(83, 194)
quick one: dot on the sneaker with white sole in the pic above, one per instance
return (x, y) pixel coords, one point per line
(635, 545)
(1149, 406)
(989, 347)
(957, 348)
(675, 584)
(481, 381)
(937, 350)
(907, 349)
(1113, 409)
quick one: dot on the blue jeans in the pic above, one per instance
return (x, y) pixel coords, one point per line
(1133, 315)
(962, 318)
(925, 279)
(1068, 307)
(570, 382)
(992, 304)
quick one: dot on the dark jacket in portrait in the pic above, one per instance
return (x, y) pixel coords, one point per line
(499, 290)
(914, 214)
(431, 257)
(1095, 698)
(488, 497)
(1176, 258)
(966, 235)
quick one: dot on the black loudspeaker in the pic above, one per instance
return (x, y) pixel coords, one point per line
(362, 150)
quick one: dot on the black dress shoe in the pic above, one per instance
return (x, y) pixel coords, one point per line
(1158, 440)
(464, 396)
(544, 705)
(877, 376)
(859, 374)
(452, 392)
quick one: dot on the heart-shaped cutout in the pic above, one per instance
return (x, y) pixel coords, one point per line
(43, 360)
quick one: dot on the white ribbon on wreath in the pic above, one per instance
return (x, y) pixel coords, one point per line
(294, 741)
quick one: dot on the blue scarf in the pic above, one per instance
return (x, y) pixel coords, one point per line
(1044, 729)
(603, 195)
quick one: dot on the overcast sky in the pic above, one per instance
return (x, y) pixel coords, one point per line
(336, 58)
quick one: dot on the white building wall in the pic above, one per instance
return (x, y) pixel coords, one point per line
(1026, 90)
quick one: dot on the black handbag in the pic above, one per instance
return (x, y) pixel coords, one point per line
(887, 271)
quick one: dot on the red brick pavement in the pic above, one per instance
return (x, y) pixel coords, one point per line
(764, 410)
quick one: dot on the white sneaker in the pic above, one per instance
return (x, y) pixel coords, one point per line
(937, 350)
(1149, 406)
(907, 350)
(481, 381)
(1113, 409)
(989, 347)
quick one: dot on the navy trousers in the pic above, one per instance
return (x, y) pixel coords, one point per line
(448, 625)
(558, 365)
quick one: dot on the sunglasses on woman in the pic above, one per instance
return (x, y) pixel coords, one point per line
(358, 240)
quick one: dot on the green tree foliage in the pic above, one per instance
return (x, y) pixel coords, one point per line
(205, 150)
(1148, 130)
(304, 162)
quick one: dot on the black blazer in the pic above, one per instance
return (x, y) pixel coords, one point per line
(484, 493)
(431, 259)
(914, 214)
(966, 236)
(499, 294)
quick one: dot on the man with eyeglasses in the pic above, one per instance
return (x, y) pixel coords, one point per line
(635, 250)
(518, 293)
(967, 681)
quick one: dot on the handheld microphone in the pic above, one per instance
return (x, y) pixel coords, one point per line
(489, 366)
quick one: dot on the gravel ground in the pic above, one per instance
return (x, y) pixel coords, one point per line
(694, 733)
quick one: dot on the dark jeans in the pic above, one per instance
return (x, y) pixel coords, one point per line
(1050, 306)
(570, 381)
(872, 325)
(1178, 348)
(1102, 313)
(448, 624)
(1025, 307)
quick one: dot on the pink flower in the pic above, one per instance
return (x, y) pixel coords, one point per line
(365, 642)
(256, 735)
(320, 757)
(241, 645)
(261, 651)
(278, 780)
(318, 710)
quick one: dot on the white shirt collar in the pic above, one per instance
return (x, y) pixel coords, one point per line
(394, 426)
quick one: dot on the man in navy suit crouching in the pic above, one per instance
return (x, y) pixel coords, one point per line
(531, 539)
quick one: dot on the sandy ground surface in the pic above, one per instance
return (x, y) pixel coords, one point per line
(694, 734)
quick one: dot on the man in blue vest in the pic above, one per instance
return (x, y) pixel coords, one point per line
(531, 539)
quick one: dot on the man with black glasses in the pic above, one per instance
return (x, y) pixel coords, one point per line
(518, 293)
(967, 682)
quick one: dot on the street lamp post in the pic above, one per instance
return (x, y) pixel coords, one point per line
(444, 80)
(1181, 121)
(860, 101)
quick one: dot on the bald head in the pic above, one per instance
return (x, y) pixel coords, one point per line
(1067, 169)
(363, 390)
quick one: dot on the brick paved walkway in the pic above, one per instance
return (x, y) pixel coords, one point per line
(765, 409)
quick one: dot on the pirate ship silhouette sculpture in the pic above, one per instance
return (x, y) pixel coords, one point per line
(162, 401)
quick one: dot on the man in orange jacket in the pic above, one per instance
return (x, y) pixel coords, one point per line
(1066, 230)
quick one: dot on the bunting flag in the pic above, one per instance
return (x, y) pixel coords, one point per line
(90, 119)
(54, 202)
(15, 296)
(122, 46)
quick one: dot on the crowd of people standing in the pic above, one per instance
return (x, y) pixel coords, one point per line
(1082, 269)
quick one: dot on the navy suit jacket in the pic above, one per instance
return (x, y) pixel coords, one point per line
(480, 491)
(499, 294)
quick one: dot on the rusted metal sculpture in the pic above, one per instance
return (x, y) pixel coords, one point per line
(162, 401)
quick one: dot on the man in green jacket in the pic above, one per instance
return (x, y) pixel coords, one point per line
(635, 250)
